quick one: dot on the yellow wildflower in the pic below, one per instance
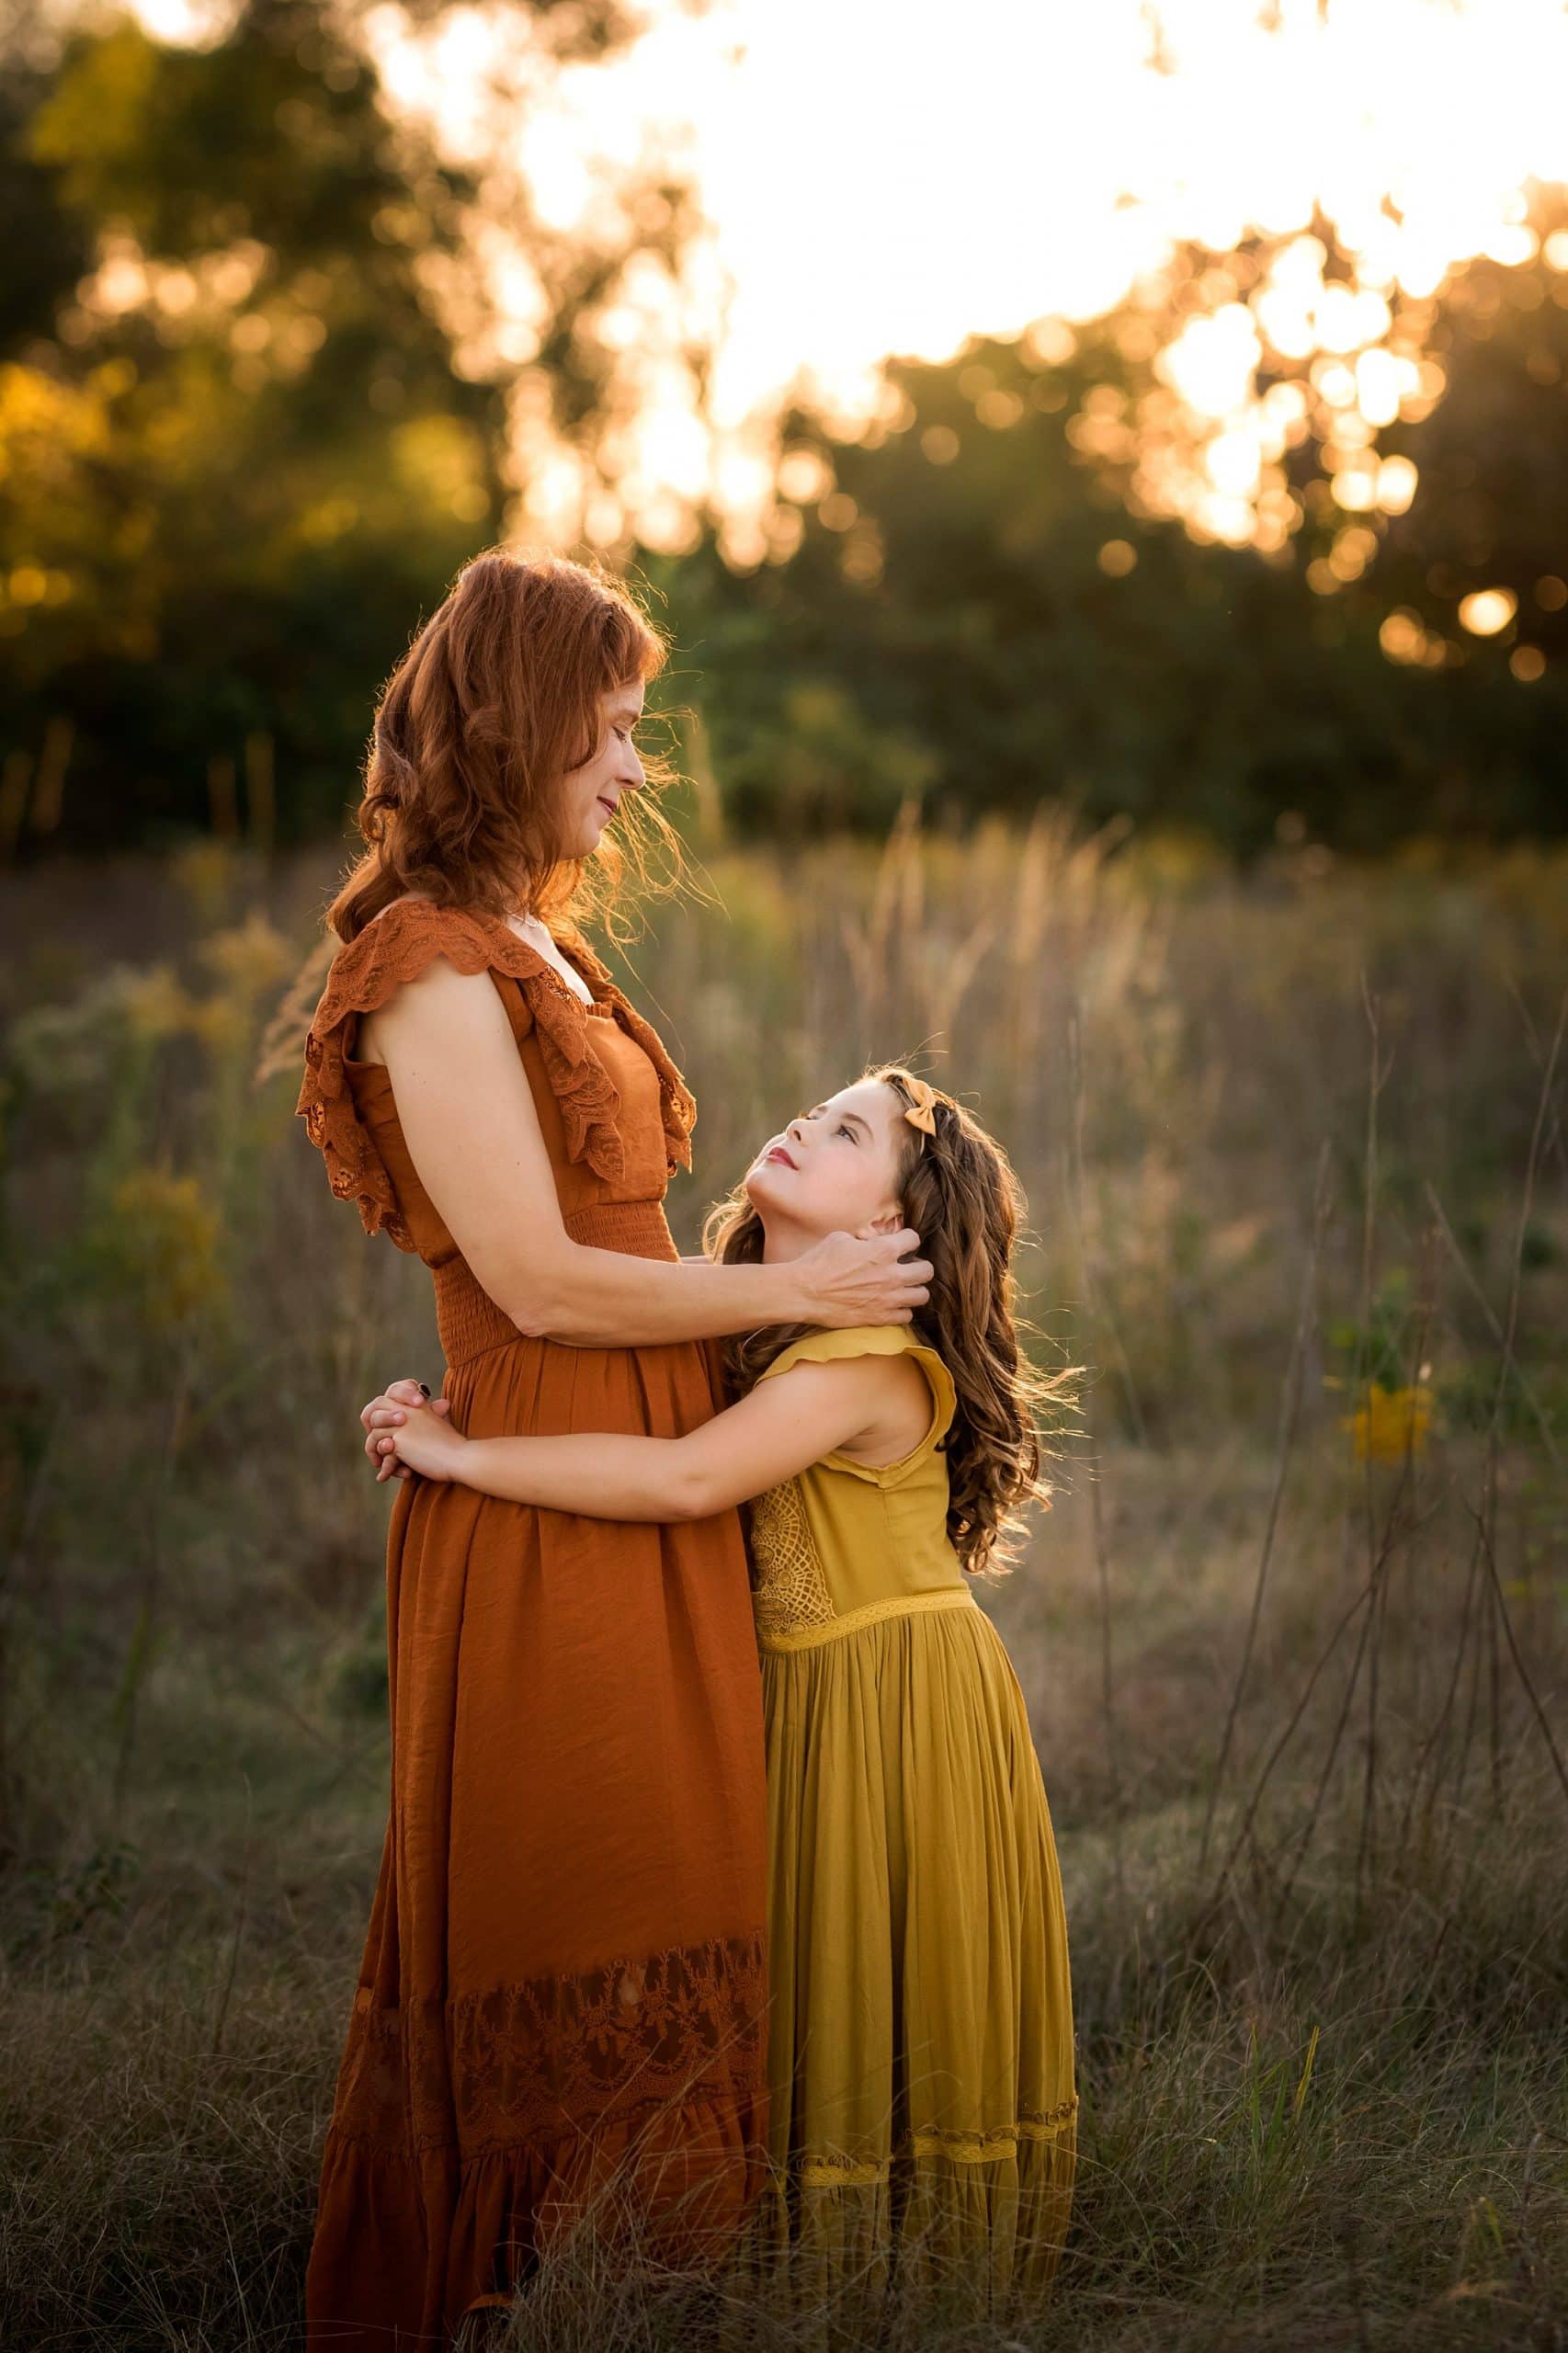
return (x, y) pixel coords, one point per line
(151, 999)
(250, 958)
(159, 1244)
(1391, 1422)
(205, 872)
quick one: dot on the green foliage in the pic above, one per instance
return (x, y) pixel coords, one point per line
(51, 1910)
(236, 461)
(1491, 507)
(1379, 1349)
(967, 610)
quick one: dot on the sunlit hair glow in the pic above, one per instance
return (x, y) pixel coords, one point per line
(959, 1191)
(497, 701)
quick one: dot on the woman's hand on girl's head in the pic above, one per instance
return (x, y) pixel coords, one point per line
(849, 1279)
(386, 1413)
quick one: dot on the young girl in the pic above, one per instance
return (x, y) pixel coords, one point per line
(921, 2073)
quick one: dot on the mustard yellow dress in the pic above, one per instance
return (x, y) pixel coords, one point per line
(921, 2065)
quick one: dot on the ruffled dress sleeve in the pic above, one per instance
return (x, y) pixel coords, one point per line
(396, 947)
(880, 1340)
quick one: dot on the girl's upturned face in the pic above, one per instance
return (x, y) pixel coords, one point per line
(590, 795)
(836, 1168)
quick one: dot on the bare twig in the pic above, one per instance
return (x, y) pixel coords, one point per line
(1290, 1413)
(240, 1910)
(1096, 1520)
(1280, 1747)
(1303, 1837)
(1440, 1726)
(1526, 1201)
(1504, 1372)
(140, 1654)
(1554, 1124)
(1493, 1322)
(1531, 1692)
(1377, 1548)
(1376, 1616)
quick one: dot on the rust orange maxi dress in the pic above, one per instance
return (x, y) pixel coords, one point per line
(565, 1956)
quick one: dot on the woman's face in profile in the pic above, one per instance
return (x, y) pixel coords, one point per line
(591, 794)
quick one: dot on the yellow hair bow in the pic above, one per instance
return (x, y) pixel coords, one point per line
(921, 1112)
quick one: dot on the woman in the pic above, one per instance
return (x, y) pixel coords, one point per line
(563, 1979)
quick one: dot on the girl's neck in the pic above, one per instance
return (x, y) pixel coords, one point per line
(782, 1241)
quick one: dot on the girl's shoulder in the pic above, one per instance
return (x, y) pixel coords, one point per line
(833, 1346)
(896, 1344)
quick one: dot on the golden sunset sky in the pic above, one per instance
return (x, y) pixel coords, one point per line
(893, 176)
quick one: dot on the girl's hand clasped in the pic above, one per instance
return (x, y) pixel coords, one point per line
(431, 1446)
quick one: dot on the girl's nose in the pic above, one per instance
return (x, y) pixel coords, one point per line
(796, 1130)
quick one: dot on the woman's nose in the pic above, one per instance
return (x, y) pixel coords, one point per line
(796, 1130)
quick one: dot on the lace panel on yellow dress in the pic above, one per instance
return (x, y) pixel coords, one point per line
(791, 1585)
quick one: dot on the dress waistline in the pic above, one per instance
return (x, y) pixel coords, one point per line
(467, 1317)
(874, 1613)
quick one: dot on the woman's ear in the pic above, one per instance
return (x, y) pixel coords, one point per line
(885, 1222)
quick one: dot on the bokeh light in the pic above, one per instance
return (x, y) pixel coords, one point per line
(1007, 175)
(1487, 610)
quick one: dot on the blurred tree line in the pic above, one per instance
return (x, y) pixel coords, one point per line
(239, 458)
(233, 457)
(972, 607)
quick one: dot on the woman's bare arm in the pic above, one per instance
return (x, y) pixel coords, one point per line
(783, 1425)
(468, 1121)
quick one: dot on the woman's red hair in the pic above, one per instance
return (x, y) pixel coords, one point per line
(498, 698)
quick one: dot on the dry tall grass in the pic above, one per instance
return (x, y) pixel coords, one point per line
(1293, 1637)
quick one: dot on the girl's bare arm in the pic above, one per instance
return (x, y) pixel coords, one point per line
(469, 1119)
(782, 1427)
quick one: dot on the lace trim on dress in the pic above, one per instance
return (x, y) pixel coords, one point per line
(553, 2058)
(397, 947)
(677, 1099)
(791, 1589)
(822, 2171)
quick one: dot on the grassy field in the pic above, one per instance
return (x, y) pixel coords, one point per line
(1294, 1636)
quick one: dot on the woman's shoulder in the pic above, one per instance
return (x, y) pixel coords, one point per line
(413, 938)
(395, 946)
(400, 944)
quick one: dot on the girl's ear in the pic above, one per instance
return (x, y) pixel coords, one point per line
(889, 1221)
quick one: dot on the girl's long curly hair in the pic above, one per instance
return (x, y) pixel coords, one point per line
(959, 1191)
(496, 700)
